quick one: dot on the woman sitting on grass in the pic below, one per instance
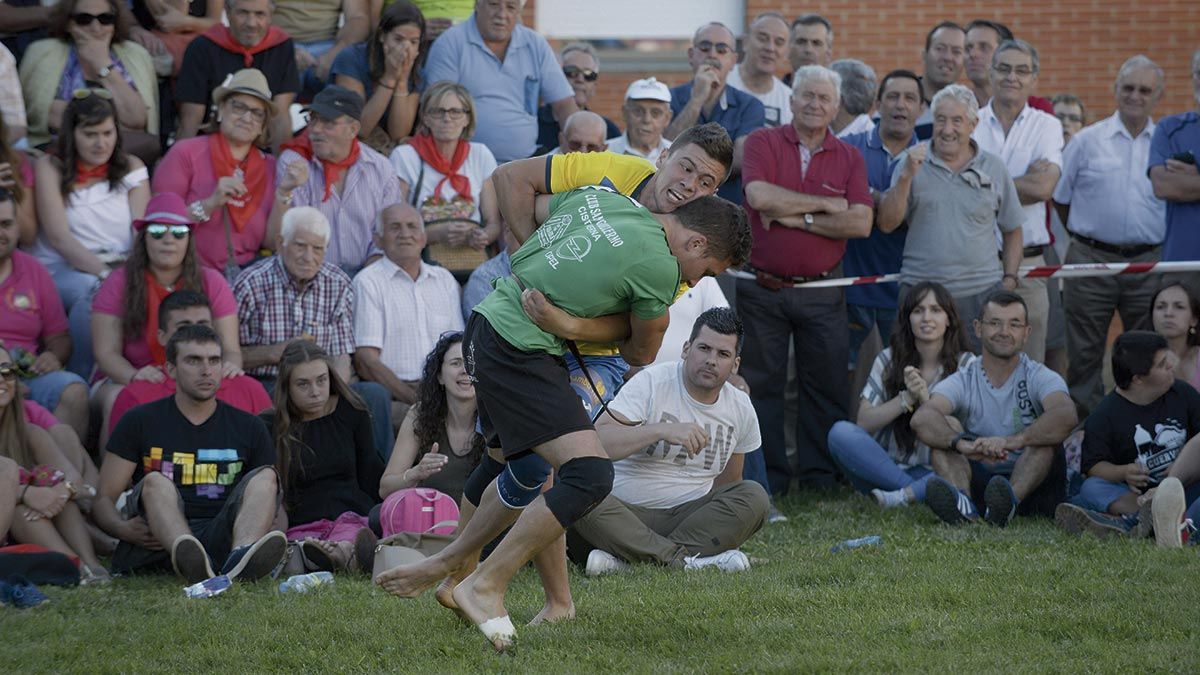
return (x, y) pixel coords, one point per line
(1174, 313)
(326, 459)
(881, 454)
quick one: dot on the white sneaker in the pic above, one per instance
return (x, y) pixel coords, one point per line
(602, 562)
(776, 516)
(727, 561)
(889, 499)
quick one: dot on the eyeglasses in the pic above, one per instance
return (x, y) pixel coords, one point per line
(1004, 70)
(640, 112)
(7, 372)
(447, 113)
(587, 73)
(158, 230)
(721, 48)
(997, 324)
(85, 19)
(80, 94)
(240, 109)
(1069, 117)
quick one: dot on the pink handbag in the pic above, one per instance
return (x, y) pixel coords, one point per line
(418, 510)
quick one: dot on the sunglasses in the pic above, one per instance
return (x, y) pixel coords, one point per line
(158, 231)
(85, 19)
(587, 73)
(80, 94)
(7, 372)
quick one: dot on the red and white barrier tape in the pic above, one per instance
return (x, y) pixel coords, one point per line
(1042, 272)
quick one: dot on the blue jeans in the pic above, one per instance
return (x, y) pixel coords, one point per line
(76, 290)
(862, 319)
(312, 85)
(867, 464)
(46, 390)
(379, 404)
(608, 374)
(754, 467)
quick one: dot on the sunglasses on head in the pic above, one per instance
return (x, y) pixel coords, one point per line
(158, 230)
(587, 73)
(80, 94)
(85, 19)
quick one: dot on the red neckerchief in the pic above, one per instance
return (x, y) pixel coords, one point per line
(155, 293)
(254, 175)
(332, 170)
(427, 149)
(84, 174)
(221, 35)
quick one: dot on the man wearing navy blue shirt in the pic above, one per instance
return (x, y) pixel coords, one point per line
(1173, 172)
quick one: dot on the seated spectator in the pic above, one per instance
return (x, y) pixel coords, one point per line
(295, 294)
(581, 66)
(1014, 414)
(227, 181)
(1175, 314)
(12, 103)
(88, 194)
(125, 312)
(765, 46)
(385, 71)
(9, 477)
(33, 327)
(249, 41)
(879, 452)
(89, 46)
(177, 22)
(16, 183)
(583, 132)
(444, 174)
(647, 112)
(1070, 111)
(66, 440)
(438, 446)
(196, 465)
(321, 29)
(1132, 442)
(48, 513)
(401, 305)
(326, 460)
(678, 497)
(857, 97)
(179, 309)
(327, 168)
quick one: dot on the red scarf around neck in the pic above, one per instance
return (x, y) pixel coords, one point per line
(155, 294)
(84, 174)
(427, 149)
(221, 35)
(332, 170)
(254, 175)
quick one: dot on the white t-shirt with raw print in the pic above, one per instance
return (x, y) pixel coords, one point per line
(662, 476)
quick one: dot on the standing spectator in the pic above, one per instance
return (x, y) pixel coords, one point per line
(647, 112)
(983, 37)
(227, 180)
(327, 167)
(1175, 314)
(943, 60)
(249, 41)
(88, 194)
(1071, 113)
(953, 204)
(874, 305)
(810, 44)
(12, 103)
(806, 193)
(401, 305)
(1173, 155)
(581, 66)
(385, 71)
(857, 97)
(765, 47)
(507, 68)
(1029, 142)
(707, 99)
(320, 30)
(1108, 205)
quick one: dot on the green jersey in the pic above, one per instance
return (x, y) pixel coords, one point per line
(598, 253)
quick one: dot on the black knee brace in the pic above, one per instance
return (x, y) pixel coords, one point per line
(483, 475)
(582, 483)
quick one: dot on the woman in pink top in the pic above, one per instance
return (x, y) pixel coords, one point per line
(125, 312)
(227, 182)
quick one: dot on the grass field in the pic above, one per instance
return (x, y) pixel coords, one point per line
(931, 598)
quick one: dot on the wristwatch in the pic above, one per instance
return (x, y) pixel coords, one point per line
(808, 221)
(105, 71)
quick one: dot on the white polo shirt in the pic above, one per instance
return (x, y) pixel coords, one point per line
(1104, 180)
(1034, 135)
(620, 145)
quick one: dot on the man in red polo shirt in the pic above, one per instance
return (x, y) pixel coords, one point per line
(806, 193)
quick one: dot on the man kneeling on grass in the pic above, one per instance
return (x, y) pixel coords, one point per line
(1014, 412)
(1136, 452)
(203, 475)
(678, 497)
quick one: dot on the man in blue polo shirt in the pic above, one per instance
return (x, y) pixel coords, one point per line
(875, 304)
(1173, 172)
(507, 68)
(706, 99)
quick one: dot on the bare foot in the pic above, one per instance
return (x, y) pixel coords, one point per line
(552, 613)
(480, 604)
(409, 581)
(445, 590)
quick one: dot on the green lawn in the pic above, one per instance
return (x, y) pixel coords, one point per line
(932, 597)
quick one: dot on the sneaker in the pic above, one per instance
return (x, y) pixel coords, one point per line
(20, 593)
(1167, 512)
(1077, 520)
(732, 560)
(948, 502)
(256, 561)
(190, 560)
(775, 516)
(1000, 500)
(890, 499)
(602, 562)
(1142, 522)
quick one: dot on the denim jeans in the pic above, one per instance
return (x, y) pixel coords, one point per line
(868, 465)
(76, 290)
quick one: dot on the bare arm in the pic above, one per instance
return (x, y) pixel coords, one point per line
(556, 321)
(255, 356)
(356, 27)
(1187, 465)
(341, 365)
(115, 474)
(52, 209)
(108, 344)
(1176, 185)
(517, 185)
(281, 124)
(562, 109)
(27, 218)
(687, 117)
(191, 116)
(645, 339)
(375, 107)
(1012, 251)
(397, 476)
(854, 223)
(1037, 186)
(227, 329)
(59, 345)
(775, 202)
(732, 472)
(1055, 424)
(930, 425)
(739, 150)
(371, 368)
(403, 117)
(875, 417)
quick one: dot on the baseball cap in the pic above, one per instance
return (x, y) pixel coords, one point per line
(334, 101)
(649, 88)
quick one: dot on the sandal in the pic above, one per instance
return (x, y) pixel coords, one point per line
(316, 559)
(92, 576)
(362, 557)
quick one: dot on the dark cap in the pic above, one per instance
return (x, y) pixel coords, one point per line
(334, 101)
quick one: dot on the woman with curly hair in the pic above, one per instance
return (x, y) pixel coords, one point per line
(437, 446)
(881, 454)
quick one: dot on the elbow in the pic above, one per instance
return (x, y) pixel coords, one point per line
(638, 357)
(861, 229)
(754, 195)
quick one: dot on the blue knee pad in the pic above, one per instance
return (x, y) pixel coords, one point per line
(582, 483)
(522, 480)
(485, 472)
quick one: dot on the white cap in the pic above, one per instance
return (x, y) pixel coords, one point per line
(648, 88)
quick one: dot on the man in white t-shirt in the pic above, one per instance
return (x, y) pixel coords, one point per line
(766, 46)
(647, 112)
(678, 497)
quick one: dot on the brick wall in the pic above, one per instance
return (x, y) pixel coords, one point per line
(1081, 42)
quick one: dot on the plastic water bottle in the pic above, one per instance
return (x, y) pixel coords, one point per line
(303, 583)
(209, 587)
(873, 540)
